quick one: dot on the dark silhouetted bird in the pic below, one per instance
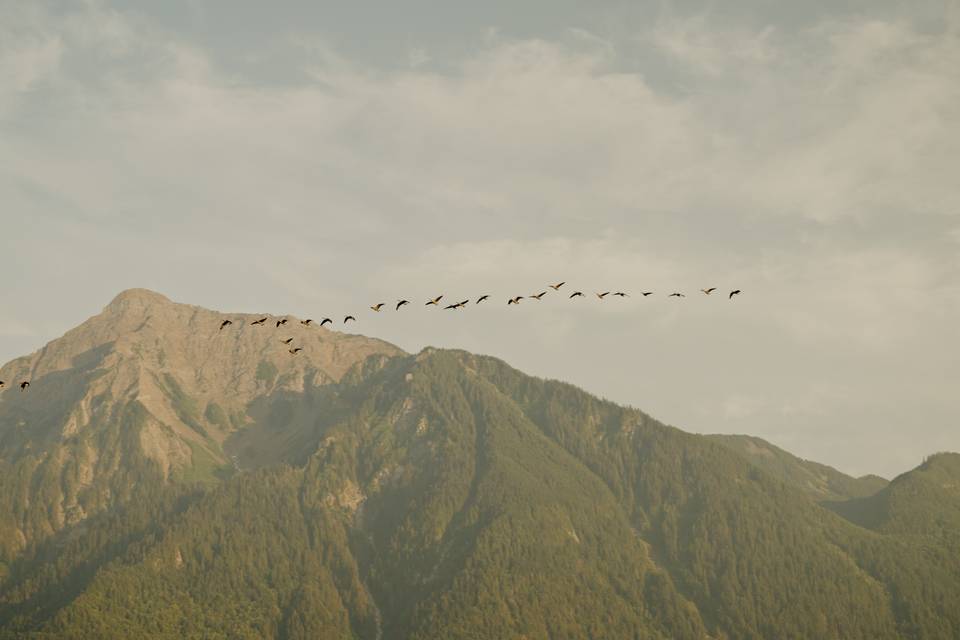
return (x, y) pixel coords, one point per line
(281, 321)
(576, 293)
(556, 287)
(325, 321)
(709, 291)
(435, 301)
(646, 293)
(287, 341)
(539, 295)
(306, 322)
(603, 295)
(24, 385)
(621, 294)
(463, 303)
(676, 295)
(349, 318)
(225, 323)
(400, 303)
(377, 306)
(452, 306)
(482, 298)
(515, 300)
(295, 350)
(735, 292)
(260, 321)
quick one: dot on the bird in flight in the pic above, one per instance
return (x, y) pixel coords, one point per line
(621, 294)
(400, 303)
(225, 323)
(287, 341)
(603, 295)
(24, 385)
(260, 321)
(515, 300)
(377, 306)
(295, 350)
(306, 322)
(482, 298)
(646, 293)
(281, 321)
(349, 318)
(539, 295)
(556, 287)
(452, 306)
(325, 321)
(463, 303)
(576, 293)
(709, 291)
(735, 292)
(676, 295)
(435, 301)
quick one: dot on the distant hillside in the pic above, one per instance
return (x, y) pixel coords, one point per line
(821, 481)
(163, 479)
(924, 501)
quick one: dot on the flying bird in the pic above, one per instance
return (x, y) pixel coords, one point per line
(295, 350)
(735, 292)
(306, 322)
(452, 306)
(400, 303)
(435, 301)
(709, 291)
(646, 293)
(482, 298)
(24, 385)
(325, 321)
(349, 318)
(260, 321)
(377, 306)
(621, 294)
(463, 303)
(576, 293)
(603, 295)
(515, 300)
(556, 287)
(676, 295)
(281, 321)
(539, 295)
(225, 323)
(287, 341)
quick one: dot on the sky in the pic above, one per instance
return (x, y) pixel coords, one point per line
(315, 158)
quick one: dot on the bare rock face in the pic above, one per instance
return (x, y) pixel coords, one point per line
(149, 383)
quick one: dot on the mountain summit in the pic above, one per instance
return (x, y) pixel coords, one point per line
(146, 380)
(163, 478)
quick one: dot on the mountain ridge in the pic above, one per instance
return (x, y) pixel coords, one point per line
(363, 492)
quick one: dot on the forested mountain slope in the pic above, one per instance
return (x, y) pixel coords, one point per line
(821, 481)
(360, 492)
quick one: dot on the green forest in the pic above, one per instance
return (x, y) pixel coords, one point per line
(447, 495)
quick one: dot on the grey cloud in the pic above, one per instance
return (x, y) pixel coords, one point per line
(802, 156)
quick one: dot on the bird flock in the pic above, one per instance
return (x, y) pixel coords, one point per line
(437, 302)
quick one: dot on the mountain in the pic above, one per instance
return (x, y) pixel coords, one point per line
(821, 481)
(228, 489)
(146, 391)
(922, 502)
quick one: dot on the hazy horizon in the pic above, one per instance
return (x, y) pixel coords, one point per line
(314, 159)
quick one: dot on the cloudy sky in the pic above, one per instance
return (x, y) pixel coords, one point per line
(316, 157)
